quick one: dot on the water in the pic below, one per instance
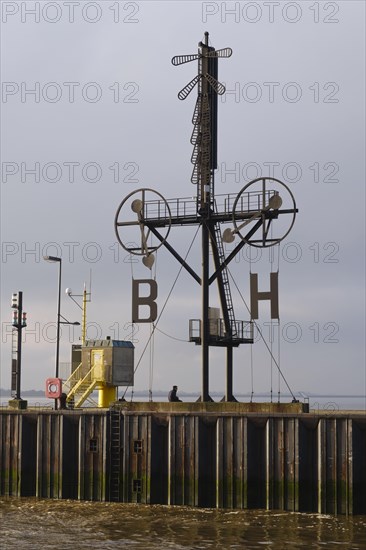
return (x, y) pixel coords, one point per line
(33, 524)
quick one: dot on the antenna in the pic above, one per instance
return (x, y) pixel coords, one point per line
(204, 135)
(86, 297)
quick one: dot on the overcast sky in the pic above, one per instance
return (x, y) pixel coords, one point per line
(104, 119)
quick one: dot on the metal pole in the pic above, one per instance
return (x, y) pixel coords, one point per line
(83, 319)
(205, 321)
(58, 320)
(204, 211)
(58, 327)
(229, 374)
(19, 346)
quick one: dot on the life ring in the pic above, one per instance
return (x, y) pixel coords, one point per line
(53, 388)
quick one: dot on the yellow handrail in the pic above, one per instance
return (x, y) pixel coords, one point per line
(73, 378)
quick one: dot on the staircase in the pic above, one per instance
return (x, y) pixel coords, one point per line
(72, 379)
(225, 281)
(115, 455)
(79, 388)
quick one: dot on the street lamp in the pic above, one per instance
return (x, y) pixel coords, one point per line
(56, 259)
(59, 322)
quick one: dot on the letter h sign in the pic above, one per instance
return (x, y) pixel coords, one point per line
(271, 295)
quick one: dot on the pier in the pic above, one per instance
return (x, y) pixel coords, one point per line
(272, 456)
(225, 455)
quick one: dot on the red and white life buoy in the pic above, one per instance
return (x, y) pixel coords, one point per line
(53, 388)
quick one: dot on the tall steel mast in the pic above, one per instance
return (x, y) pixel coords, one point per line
(157, 216)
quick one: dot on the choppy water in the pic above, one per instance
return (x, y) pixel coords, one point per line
(43, 524)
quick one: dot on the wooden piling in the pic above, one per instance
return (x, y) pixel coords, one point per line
(198, 457)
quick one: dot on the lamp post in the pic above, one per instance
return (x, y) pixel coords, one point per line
(59, 322)
(56, 259)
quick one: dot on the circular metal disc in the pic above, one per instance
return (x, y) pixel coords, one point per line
(265, 195)
(136, 234)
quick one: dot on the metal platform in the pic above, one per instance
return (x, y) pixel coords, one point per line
(241, 333)
(185, 211)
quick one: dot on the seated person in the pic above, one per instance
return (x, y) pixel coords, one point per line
(173, 394)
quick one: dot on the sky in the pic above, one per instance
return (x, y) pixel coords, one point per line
(89, 113)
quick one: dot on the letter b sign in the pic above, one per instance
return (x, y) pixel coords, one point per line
(148, 301)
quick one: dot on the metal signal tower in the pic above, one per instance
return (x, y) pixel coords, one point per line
(156, 217)
(19, 322)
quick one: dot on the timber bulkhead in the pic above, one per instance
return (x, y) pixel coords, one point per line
(195, 454)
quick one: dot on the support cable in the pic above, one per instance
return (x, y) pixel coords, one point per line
(163, 308)
(151, 360)
(279, 333)
(279, 378)
(270, 250)
(251, 346)
(251, 372)
(133, 324)
(152, 342)
(261, 335)
(265, 343)
(170, 336)
(280, 373)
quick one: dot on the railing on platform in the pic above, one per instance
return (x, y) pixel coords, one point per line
(241, 331)
(186, 207)
(252, 201)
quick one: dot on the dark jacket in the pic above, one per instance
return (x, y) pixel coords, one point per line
(173, 396)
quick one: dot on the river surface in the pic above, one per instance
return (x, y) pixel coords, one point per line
(30, 523)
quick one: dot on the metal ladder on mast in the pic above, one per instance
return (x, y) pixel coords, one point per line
(225, 280)
(201, 141)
